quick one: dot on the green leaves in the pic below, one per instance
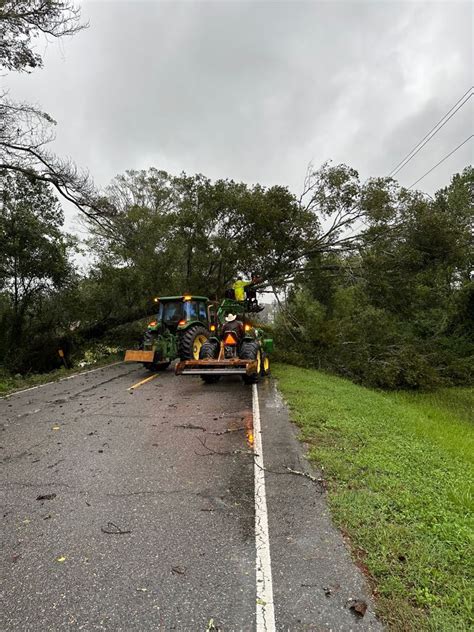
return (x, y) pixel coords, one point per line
(397, 311)
(185, 233)
(34, 262)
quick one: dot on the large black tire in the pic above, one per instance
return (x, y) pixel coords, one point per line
(250, 350)
(265, 365)
(209, 350)
(210, 379)
(154, 367)
(191, 341)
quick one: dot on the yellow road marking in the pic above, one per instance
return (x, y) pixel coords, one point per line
(147, 379)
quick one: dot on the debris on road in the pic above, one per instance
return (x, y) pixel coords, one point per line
(46, 497)
(328, 590)
(190, 427)
(305, 474)
(54, 464)
(225, 453)
(227, 430)
(112, 529)
(178, 570)
(358, 606)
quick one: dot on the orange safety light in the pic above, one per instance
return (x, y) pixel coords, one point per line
(181, 323)
(152, 324)
(187, 297)
(212, 328)
(247, 327)
(230, 339)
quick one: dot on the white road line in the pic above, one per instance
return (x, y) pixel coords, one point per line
(265, 608)
(69, 377)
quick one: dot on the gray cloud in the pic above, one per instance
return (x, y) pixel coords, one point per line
(254, 91)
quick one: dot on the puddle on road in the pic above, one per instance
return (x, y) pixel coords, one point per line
(273, 399)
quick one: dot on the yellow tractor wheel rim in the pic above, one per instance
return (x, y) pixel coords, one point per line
(266, 364)
(197, 344)
(259, 362)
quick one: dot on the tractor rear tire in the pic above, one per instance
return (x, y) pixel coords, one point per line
(210, 351)
(190, 342)
(250, 350)
(265, 364)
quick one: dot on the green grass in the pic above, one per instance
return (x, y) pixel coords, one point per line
(400, 472)
(11, 383)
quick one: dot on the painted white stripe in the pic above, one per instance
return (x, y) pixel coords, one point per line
(265, 608)
(69, 377)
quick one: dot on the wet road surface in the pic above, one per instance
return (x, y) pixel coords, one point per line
(134, 509)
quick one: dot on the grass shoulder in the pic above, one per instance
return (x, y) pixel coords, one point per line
(400, 472)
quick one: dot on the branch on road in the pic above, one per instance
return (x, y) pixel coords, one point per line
(305, 474)
(289, 470)
(112, 529)
(227, 430)
(211, 451)
(190, 427)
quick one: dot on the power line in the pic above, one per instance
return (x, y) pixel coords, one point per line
(442, 160)
(433, 131)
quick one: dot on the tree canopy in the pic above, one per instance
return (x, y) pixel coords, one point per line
(398, 309)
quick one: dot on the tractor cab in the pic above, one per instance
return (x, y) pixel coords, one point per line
(179, 311)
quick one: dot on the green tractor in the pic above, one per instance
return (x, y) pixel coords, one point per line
(234, 347)
(181, 327)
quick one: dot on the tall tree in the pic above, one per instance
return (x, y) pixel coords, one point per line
(195, 235)
(33, 251)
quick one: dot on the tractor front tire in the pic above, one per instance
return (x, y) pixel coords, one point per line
(250, 350)
(210, 379)
(154, 367)
(190, 342)
(209, 351)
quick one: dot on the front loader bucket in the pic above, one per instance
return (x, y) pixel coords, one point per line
(137, 355)
(234, 366)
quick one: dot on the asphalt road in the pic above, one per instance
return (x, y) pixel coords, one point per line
(134, 509)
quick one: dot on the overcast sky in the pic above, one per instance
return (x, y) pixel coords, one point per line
(255, 90)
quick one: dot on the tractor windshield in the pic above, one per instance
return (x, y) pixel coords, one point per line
(195, 310)
(171, 312)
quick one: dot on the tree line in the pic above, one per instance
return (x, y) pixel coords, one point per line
(373, 281)
(397, 309)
